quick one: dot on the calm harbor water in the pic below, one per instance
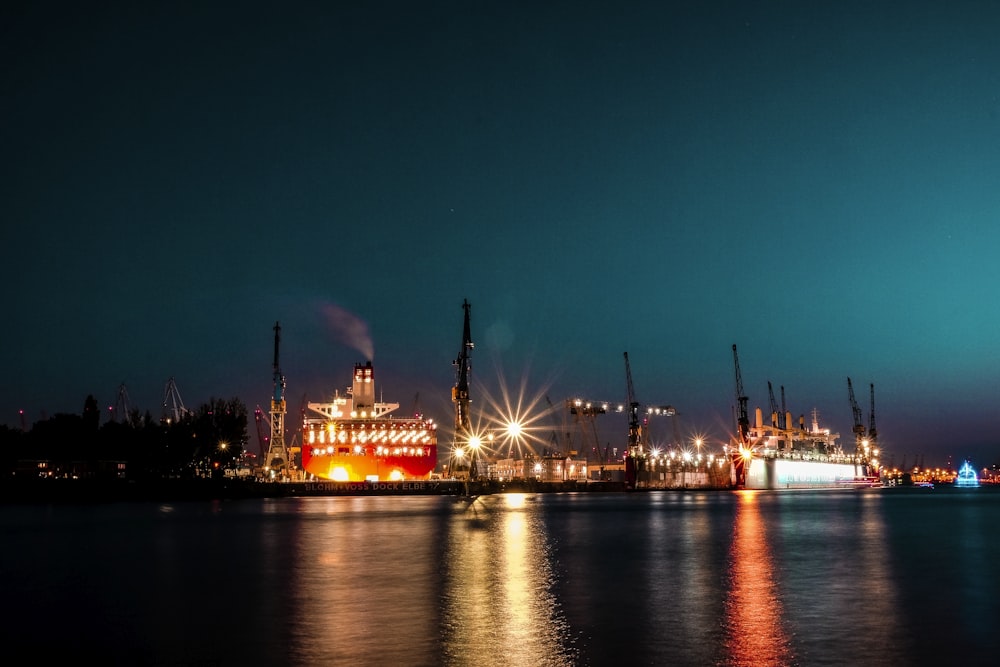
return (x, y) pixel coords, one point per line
(887, 577)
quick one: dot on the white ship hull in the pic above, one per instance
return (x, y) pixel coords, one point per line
(768, 473)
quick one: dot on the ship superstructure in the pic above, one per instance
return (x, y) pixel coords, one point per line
(352, 438)
(798, 457)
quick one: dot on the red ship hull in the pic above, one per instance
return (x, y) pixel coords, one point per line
(368, 464)
(355, 440)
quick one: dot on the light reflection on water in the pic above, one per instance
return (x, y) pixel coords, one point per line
(363, 584)
(754, 616)
(443, 581)
(657, 578)
(498, 607)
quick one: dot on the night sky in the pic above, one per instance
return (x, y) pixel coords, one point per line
(818, 183)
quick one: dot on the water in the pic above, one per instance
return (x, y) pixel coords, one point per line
(889, 577)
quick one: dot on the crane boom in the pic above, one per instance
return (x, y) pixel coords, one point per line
(775, 415)
(782, 419)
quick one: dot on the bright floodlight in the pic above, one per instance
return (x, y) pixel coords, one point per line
(513, 429)
(475, 442)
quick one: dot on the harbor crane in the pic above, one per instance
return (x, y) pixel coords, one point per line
(872, 431)
(585, 415)
(460, 395)
(585, 412)
(634, 458)
(776, 417)
(743, 417)
(636, 455)
(173, 406)
(859, 424)
(742, 444)
(277, 458)
(783, 419)
(123, 406)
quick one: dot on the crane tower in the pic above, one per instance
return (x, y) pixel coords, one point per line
(742, 444)
(635, 456)
(460, 394)
(860, 442)
(173, 406)
(872, 431)
(277, 458)
(123, 406)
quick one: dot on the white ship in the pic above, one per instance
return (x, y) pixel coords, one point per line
(799, 458)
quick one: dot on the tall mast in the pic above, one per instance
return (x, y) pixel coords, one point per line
(460, 392)
(277, 454)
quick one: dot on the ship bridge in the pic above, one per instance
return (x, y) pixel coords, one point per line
(359, 403)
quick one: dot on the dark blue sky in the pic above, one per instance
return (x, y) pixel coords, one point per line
(815, 182)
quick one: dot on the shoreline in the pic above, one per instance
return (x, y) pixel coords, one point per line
(97, 491)
(90, 491)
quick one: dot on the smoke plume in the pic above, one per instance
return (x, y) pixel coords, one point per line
(350, 330)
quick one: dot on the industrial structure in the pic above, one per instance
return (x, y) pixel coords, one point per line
(781, 455)
(742, 446)
(465, 443)
(173, 406)
(278, 459)
(865, 444)
(123, 407)
(353, 438)
(632, 466)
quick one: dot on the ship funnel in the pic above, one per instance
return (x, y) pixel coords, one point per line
(759, 418)
(363, 389)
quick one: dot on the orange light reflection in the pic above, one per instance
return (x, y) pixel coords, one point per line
(754, 625)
